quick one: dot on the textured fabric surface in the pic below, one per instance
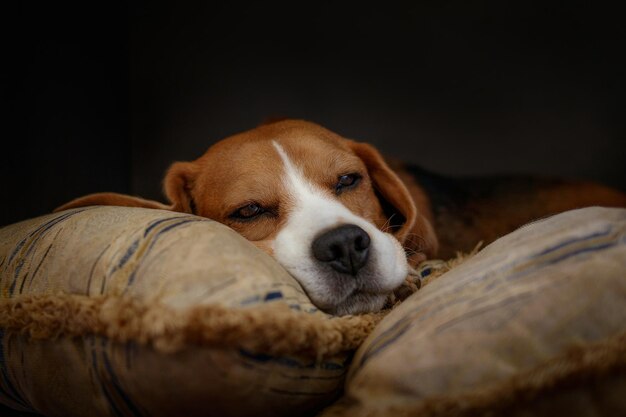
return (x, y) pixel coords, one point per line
(141, 253)
(148, 293)
(534, 324)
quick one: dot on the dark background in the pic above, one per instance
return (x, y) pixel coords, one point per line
(103, 97)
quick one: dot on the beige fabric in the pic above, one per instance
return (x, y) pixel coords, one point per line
(141, 253)
(124, 311)
(109, 311)
(534, 324)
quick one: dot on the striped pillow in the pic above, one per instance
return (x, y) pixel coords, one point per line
(111, 311)
(534, 324)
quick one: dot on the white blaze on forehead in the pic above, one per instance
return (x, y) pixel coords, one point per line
(294, 177)
(310, 200)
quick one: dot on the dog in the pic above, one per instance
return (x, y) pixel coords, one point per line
(346, 223)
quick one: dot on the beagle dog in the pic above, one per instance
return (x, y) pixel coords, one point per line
(335, 214)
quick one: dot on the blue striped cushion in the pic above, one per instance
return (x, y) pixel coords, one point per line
(498, 328)
(178, 262)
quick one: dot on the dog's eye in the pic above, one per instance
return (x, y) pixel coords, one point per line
(248, 212)
(347, 181)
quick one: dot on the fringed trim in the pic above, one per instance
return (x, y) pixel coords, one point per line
(451, 263)
(273, 329)
(414, 281)
(577, 367)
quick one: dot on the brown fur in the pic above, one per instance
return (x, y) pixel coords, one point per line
(467, 211)
(430, 215)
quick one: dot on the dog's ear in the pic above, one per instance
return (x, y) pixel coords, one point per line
(112, 199)
(178, 184)
(406, 221)
(273, 119)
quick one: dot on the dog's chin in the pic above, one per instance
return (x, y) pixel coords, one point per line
(348, 296)
(358, 302)
(341, 294)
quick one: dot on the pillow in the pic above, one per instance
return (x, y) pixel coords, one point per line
(109, 311)
(534, 324)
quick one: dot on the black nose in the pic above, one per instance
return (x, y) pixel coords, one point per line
(345, 248)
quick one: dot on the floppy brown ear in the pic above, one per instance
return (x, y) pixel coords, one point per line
(409, 223)
(111, 199)
(273, 119)
(178, 184)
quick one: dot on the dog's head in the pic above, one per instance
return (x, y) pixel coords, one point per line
(328, 209)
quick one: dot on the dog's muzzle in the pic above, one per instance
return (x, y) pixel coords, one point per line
(345, 248)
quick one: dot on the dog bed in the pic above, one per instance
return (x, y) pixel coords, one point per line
(533, 325)
(109, 311)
